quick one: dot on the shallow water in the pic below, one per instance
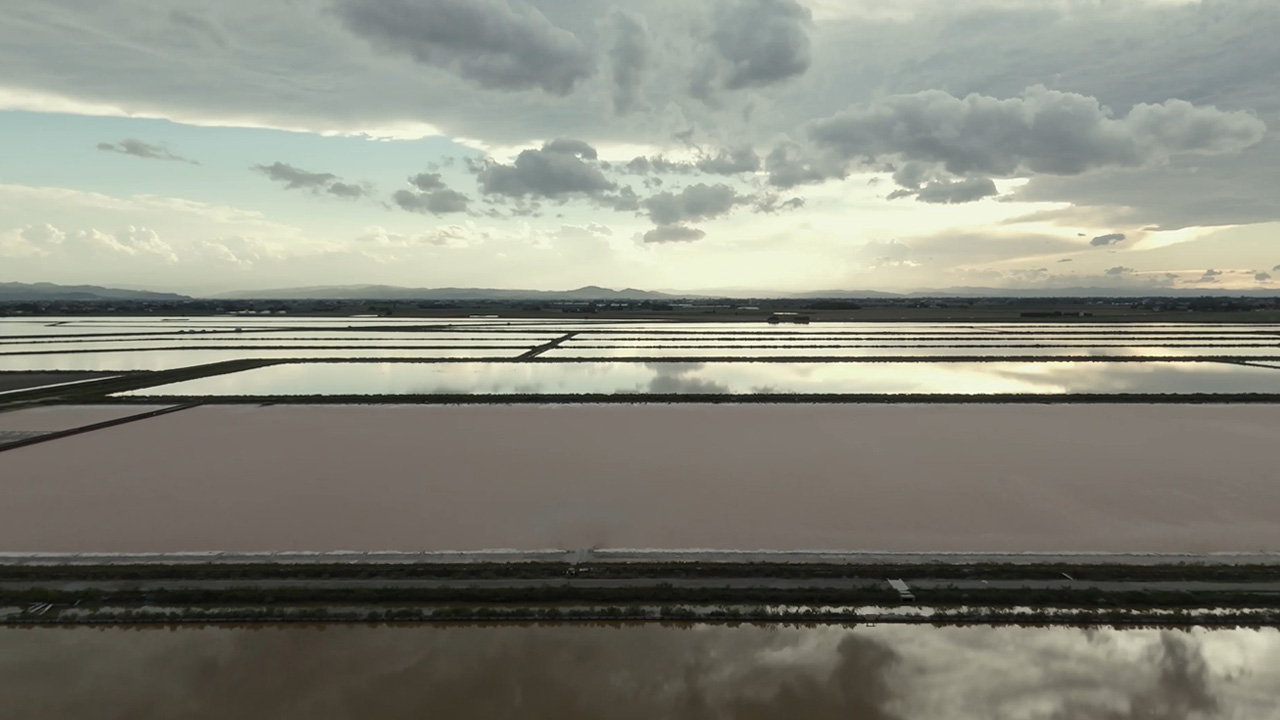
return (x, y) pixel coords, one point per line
(170, 359)
(985, 378)
(567, 351)
(975, 478)
(640, 672)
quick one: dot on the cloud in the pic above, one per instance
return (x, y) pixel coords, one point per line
(430, 194)
(1119, 270)
(628, 60)
(499, 44)
(1262, 277)
(692, 204)
(1209, 276)
(767, 202)
(1041, 131)
(1065, 260)
(377, 237)
(951, 192)
(673, 233)
(561, 168)
(50, 241)
(297, 179)
(730, 162)
(569, 146)
(436, 202)
(1276, 268)
(625, 200)
(427, 181)
(757, 43)
(790, 165)
(137, 148)
(294, 178)
(346, 191)
(1109, 239)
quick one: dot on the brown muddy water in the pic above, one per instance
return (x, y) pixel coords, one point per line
(639, 672)
(914, 478)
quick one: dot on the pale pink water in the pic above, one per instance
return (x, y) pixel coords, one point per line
(1157, 478)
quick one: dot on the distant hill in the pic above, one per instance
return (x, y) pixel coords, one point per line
(35, 292)
(392, 292)
(1086, 292)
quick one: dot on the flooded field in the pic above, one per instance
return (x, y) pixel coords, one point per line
(692, 672)
(907, 478)
(125, 344)
(109, 360)
(601, 351)
(984, 378)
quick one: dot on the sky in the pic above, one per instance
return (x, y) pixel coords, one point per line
(689, 145)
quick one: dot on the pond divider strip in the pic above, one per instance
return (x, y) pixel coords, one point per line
(535, 352)
(47, 437)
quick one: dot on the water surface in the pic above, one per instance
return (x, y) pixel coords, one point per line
(639, 672)
(982, 378)
(152, 359)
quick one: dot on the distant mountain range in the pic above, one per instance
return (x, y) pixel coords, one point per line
(392, 292)
(28, 292)
(35, 292)
(592, 292)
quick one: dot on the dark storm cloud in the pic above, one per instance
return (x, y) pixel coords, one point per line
(1108, 239)
(560, 168)
(627, 59)
(499, 44)
(951, 192)
(673, 233)
(1039, 131)
(761, 42)
(137, 148)
(435, 202)
(1119, 270)
(693, 203)
(730, 162)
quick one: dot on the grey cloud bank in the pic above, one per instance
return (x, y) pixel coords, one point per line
(498, 44)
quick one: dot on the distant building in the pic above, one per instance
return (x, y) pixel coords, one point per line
(788, 317)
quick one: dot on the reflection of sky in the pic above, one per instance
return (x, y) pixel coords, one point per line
(570, 351)
(170, 359)
(904, 672)
(712, 377)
